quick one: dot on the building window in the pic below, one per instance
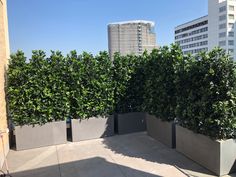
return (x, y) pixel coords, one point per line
(195, 51)
(222, 17)
(231, 42)
(231, 51)
(222, 9)
(222, 26)
(192, 27)
(203, 43)
(231, 34)
(231, 8)
(231, 16)
(231, 25)
(192, 33)
(223, 34)
(222, 43)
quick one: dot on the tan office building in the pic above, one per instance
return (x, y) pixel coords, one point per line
(4, 55)
(131, 37)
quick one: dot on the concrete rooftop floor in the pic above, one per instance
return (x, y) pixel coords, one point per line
(132, 155)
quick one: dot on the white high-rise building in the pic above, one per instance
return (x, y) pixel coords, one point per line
(215, 29)
(131, 37)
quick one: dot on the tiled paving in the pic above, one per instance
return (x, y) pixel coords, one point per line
(132, 155)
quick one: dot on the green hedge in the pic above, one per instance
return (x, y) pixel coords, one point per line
(91, 85)
(56, 88)
(199, 92)
(128, 77)
(37, 90)
(206, 94)
(160, 89)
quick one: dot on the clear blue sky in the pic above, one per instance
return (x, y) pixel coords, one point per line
(82, 24)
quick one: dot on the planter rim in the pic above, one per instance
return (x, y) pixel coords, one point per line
(171, 121)
(216, 140)
(97, 117)
(33, 125)
(130, 112)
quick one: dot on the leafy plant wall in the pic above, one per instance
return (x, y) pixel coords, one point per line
(57, 88)
(199, 92)
(206, 90)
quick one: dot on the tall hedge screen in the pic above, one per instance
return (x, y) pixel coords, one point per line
(199, 92)
(206, 94)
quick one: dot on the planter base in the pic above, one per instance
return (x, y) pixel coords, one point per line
(28, 137)
(131, 122)
(92, 128)
(217, 156)
(162, 131)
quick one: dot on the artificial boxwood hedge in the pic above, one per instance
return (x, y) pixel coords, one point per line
(57, 88)
(128, 78)
(91, 85)
(37, 90)
(198, 92)
(160, 90)
(206, 94)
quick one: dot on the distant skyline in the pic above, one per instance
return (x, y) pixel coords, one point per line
(82, 24)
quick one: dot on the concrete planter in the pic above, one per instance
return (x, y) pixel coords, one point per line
(28, 137)
(217, 156)
(131, 122)
(162, 131)
(92, 128)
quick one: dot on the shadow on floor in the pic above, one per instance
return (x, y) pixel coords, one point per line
(93, 167)
(141, 146)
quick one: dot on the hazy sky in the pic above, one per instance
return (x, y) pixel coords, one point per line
(82, 24)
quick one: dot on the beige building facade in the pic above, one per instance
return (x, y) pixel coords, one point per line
(131, 37)
(4, 55)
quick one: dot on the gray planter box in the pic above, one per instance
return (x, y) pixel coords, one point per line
(131, 122)
(28, 137)
(92, 128)
(217, 156)
(162, 131)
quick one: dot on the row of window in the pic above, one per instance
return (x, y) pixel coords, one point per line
(223, 43)
(231, 51)
(195, 51)
(223, 8)
(192, 33)
(223, 34)
(223, 25)
(191, 27)
(192, 39)
(223, 17)
(197, 44)
(231, 16)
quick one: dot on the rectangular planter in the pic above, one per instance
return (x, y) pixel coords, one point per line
(28, 137)
(162, 131)
(131, 122)
(92, 128)
(217, 156)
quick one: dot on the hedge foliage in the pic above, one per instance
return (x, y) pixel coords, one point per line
(91, 85)
(197, 91)
(206, 94)
(128, 82)
(56, 88)
(160, 90)
(37, 90)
